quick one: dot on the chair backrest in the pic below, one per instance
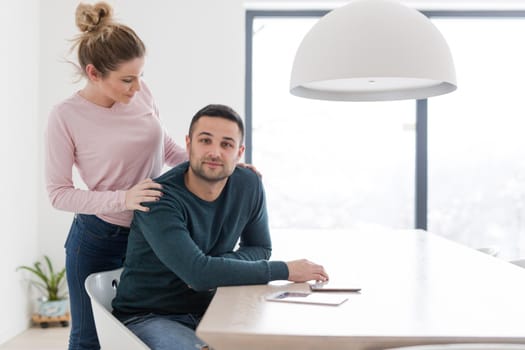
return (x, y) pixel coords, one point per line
(112, 334)
(102, 287)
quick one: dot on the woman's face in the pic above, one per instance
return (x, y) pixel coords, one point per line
(121, 85)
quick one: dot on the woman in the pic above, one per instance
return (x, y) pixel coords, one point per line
(110, 131)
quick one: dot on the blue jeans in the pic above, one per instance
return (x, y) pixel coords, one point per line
(166, 332)
(92, 245)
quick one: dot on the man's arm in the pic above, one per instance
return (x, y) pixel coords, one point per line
(165, 230)
(249, 253)
(255, 242)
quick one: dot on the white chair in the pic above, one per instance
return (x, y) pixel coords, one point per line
(112, 334)
(474, 346)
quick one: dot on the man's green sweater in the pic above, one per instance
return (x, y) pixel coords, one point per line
(185, 247)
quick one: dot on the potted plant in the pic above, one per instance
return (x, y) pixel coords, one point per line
(50, 283)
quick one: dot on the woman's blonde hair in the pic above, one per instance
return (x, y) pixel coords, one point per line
(104, 43)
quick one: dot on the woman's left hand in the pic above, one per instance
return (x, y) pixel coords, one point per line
(251, 167)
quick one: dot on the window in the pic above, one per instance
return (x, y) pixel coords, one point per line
(334, 165)
(326, 164)
(476, 143)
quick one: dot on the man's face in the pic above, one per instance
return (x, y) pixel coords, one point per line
(214, 148)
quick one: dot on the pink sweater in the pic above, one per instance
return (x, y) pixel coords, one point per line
(113, 149)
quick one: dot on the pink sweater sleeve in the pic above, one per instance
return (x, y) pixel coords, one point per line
(59, 161)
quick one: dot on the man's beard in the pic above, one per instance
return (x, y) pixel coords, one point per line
(199, 169)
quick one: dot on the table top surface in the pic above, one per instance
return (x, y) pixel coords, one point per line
(417, 288)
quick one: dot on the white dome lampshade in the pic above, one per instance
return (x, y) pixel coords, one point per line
(373, 50)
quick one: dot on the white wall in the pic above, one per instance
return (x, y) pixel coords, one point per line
(19, 159)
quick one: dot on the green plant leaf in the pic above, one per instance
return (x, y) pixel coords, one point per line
(49, 265)
(41, 273)
(48, 282)
(40, 286)
(37, 272)
(52, 277)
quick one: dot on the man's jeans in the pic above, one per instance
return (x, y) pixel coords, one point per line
(166, 332)
(93, 245)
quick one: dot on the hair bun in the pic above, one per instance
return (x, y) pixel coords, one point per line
(91, 17)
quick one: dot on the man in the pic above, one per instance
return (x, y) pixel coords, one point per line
(183, 248)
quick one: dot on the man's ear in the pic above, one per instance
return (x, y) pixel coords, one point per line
(188, 144)
(92, 73)
(240, 152)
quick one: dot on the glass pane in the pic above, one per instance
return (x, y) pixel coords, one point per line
(326, 164)
(476, 143)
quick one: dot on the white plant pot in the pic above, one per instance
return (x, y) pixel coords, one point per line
(53, 308)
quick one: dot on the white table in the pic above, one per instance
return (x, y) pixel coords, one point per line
(417, 288)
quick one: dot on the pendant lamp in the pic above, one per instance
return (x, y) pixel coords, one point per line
(373, 50)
